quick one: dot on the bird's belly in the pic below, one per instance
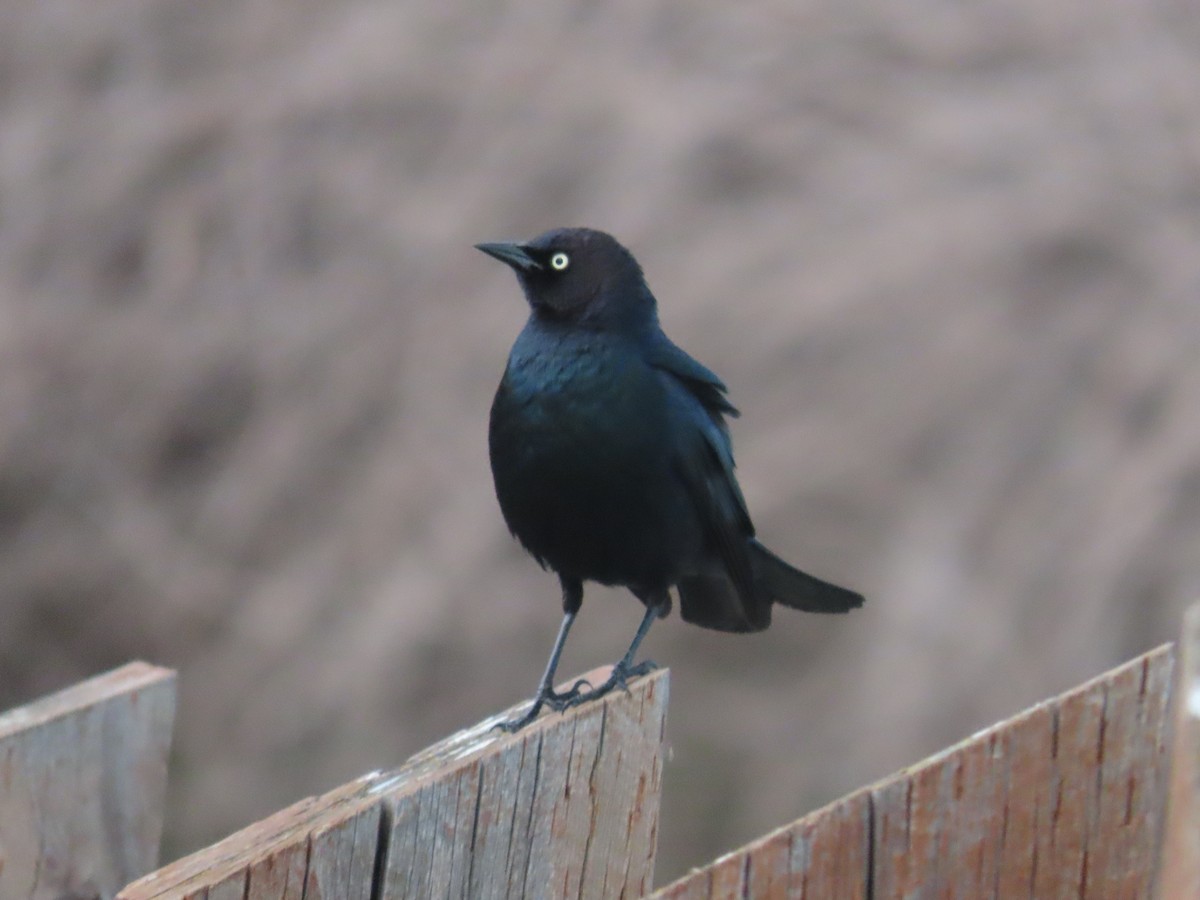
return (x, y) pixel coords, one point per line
(586, 482)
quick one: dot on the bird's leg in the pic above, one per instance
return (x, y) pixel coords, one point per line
(656, 608)
(546, 695)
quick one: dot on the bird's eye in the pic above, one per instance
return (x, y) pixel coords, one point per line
(559, 261)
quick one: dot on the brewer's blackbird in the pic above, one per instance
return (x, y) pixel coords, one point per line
(612, 460)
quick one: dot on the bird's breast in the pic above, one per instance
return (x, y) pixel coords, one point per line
(586, 405)
(581, 454)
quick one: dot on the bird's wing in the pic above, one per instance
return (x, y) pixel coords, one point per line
(701, 381)
(705, 461)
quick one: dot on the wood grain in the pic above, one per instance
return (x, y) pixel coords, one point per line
(82, 779)
(1063, 800)
(566, 807)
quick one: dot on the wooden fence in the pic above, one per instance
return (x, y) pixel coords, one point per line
(1075, 797)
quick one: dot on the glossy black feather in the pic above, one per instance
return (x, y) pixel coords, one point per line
(611, 452)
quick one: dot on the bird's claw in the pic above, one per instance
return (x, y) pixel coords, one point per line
(626, 673)
(555, 700)
(618, 678)
(558, 701)
(575, 690)
(512, 726)
(645, 667)
(561, 701)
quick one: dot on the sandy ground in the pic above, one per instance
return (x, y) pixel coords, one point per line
(944, 255)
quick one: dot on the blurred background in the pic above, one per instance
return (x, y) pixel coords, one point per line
(945, 255)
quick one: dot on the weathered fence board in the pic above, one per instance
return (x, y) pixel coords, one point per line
(1063, 800)
(1179, 875)
(566, 807)
(82, 779)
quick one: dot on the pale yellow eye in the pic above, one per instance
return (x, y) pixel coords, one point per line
(559, 261)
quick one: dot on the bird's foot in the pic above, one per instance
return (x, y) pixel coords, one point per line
(560, 701)
(511, 726)
(620, 676)
(564, 700)
(555, 700)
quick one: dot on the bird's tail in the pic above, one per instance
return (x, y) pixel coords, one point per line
(711, 601)
(799, 590)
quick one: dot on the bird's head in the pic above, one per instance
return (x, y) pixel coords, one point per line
(579, 276)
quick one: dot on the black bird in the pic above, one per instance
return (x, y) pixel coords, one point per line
(613, 463)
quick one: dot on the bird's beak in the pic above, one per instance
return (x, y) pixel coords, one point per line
(512, 254)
